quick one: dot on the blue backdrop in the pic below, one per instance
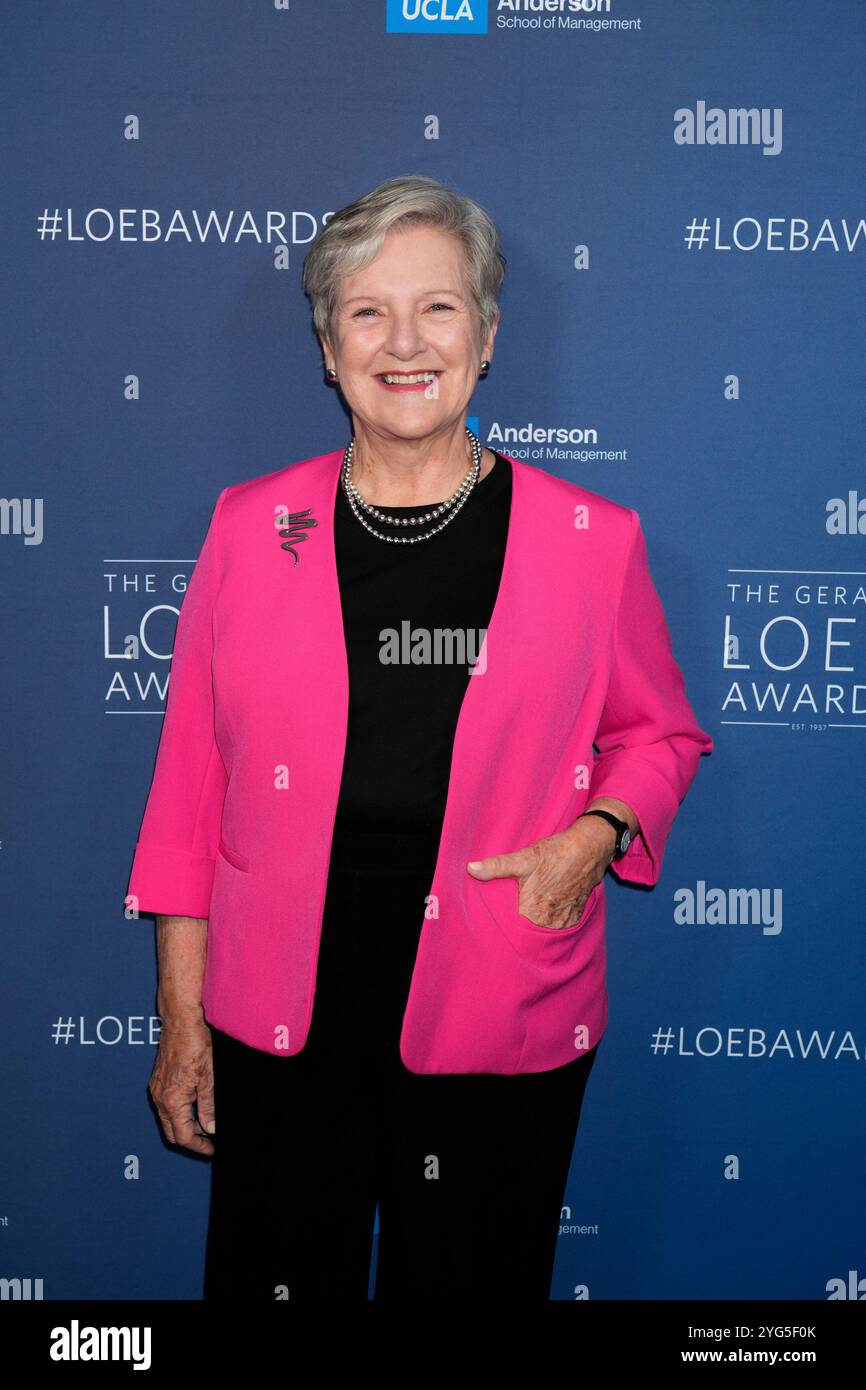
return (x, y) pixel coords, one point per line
(680, 196)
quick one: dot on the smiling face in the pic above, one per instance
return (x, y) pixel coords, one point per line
(410, 314)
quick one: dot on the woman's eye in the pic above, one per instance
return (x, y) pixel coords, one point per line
(370, 310)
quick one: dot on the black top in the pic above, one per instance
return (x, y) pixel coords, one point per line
(403, 714)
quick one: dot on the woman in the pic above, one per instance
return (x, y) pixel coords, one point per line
(377, 832)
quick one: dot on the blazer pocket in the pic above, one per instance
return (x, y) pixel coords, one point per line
(589, 908)
(238, 861)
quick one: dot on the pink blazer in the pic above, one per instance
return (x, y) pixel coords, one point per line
(239, 819)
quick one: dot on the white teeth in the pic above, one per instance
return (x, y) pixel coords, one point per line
(405, 380)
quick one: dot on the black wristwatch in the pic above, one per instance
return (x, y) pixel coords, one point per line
(623, 834)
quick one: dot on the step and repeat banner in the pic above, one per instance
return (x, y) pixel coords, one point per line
(679, 193)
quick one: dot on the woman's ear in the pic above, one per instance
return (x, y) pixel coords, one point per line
(487, 349)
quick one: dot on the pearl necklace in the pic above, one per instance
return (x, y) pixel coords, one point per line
(455, 502)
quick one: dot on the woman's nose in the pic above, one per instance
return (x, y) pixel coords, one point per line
(404, 339)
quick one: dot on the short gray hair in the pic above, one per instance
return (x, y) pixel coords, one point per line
(354, 236)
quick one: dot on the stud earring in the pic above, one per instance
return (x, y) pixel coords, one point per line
(485, 367)
(331, 374)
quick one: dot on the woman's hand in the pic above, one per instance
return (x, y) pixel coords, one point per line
(556, 874)
(182, 1075)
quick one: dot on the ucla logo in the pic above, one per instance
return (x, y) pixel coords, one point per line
(436, 17)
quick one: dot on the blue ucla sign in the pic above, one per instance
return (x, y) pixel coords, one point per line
(436, 17)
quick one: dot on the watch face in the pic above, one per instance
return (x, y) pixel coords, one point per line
(626, 840)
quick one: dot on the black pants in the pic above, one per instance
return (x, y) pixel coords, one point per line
(469, 1170)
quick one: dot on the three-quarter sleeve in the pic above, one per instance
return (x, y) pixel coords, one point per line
(648, 739)
(173, 865)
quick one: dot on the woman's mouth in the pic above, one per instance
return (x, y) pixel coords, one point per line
(407, 381)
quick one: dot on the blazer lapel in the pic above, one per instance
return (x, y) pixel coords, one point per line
(307, 661)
